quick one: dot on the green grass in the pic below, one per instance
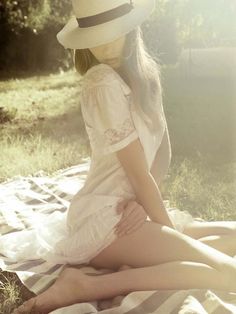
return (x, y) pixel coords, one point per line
(10, 294)
(45, 131)
(204, 190)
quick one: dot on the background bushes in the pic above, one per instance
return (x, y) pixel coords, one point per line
(28, 31)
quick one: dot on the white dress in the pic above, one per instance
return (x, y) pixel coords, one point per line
(87, 227)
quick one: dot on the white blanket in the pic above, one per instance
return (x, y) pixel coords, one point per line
(23, 198)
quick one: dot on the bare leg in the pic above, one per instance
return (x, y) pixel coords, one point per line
(164, 259)
(172, 275)
(198, 230)
(220, 235)
(224, 243)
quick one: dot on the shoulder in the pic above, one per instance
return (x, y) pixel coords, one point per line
(99, 74)
(103, 76)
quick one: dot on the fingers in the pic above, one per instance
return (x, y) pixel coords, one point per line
(126, 221)
(130, 208)
(129, 229)
(125, 204)
(130, 216)
(133, 215)
(121, 206)
(127, 218)
(134, 228)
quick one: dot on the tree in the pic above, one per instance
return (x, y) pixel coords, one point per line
(34, 15)
(33, 24)
(178, 24)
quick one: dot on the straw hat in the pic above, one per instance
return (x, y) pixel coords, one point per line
(97, 22)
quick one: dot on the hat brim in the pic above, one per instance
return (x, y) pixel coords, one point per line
(73, 37)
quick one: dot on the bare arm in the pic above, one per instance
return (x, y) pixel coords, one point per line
(133, 160)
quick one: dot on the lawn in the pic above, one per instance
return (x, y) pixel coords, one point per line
(47, 130)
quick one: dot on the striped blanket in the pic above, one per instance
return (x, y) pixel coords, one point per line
(22, 198)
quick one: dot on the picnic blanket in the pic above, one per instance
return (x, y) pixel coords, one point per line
(23, 198)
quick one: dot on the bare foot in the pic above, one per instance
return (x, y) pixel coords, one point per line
(70, 287)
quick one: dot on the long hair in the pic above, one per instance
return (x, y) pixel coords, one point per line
(139, 70)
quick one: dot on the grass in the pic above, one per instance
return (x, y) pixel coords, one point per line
(204, 190)
(201, 115)
(10, 293)
(47, 131)
(42, 129)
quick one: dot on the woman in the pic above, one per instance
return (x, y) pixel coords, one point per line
(126, 132)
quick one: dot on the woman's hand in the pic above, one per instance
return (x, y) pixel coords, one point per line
(133, 217)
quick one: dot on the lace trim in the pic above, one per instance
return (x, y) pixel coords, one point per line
(114, 136)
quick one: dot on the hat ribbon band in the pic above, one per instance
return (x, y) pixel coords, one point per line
(104, 17)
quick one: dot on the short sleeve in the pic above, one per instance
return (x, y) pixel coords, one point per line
(106, 110)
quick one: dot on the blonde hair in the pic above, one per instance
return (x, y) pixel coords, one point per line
(139, 70)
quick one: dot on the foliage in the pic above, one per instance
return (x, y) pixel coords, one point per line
(201, 22)
(34, 15)
(175, 24)
(178, 24)
(28, 34)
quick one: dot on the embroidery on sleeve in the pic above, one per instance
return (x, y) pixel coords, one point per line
(114, 136)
